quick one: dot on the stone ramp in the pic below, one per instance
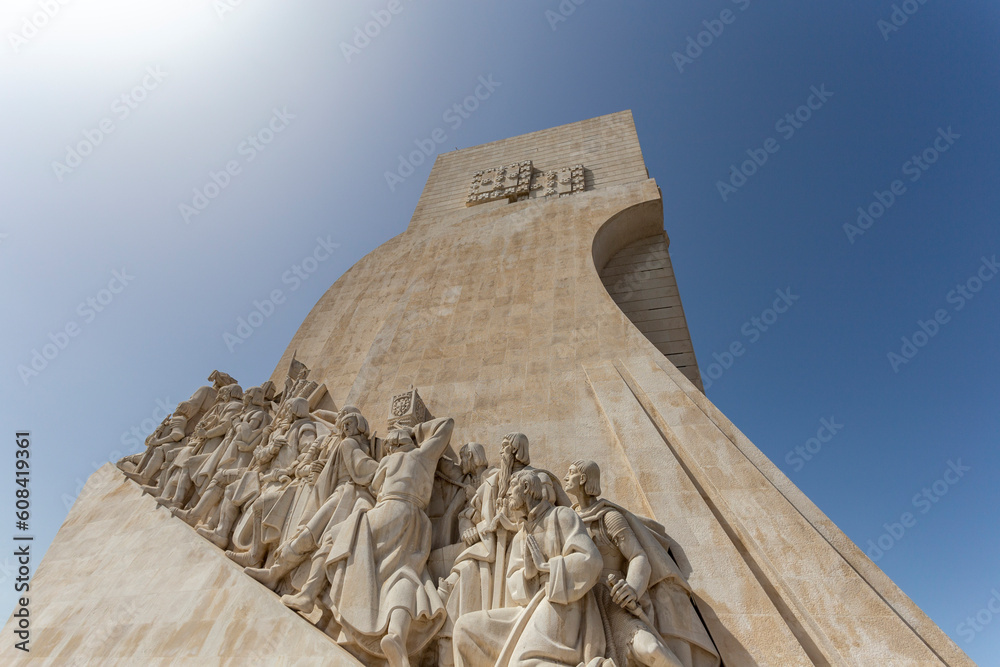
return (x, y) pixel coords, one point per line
(126, 583)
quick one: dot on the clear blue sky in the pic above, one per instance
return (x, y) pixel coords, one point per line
(198, 80)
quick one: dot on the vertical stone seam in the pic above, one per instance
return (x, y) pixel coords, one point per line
(811, 637)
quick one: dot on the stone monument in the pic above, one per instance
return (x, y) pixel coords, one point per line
(552, 486)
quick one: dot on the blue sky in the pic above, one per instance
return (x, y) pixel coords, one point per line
(198, 77)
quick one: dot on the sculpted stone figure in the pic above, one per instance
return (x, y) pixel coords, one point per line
(454, 493)
(477, 579)
(176, 483)
(475, 468)
(271, 455)
(318, 509)
(232, 457)
(380, 591)
(644, 600)
(345, 478)
(168, 436)
(264, 519)
(553, 568)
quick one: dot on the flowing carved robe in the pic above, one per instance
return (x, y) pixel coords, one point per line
(378, 559)
(348, 473)
(557, 621)
(255, 497)
(477, 586)
(667, 600)
(236, 449)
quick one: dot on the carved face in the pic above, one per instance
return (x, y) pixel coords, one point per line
(350, 426)
(467, 459)
(518, 499)
(574, 481)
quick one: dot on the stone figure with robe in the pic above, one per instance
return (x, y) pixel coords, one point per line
(644, 599)
(553, 568)
(477, 579)
(380, 591)
(345, 478)
(175, 484)
(173, 432)
(263, 523)
(229, 462)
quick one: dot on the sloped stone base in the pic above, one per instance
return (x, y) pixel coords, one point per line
(125, 583)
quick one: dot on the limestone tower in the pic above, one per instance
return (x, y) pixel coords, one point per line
(532, 292)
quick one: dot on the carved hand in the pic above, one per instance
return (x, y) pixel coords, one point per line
(502, 520)
(535, 552)
(624, 595)
(471, 536)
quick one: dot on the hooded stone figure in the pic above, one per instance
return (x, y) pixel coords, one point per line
(645, 601)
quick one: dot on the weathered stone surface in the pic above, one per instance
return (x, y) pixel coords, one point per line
(125, 583)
